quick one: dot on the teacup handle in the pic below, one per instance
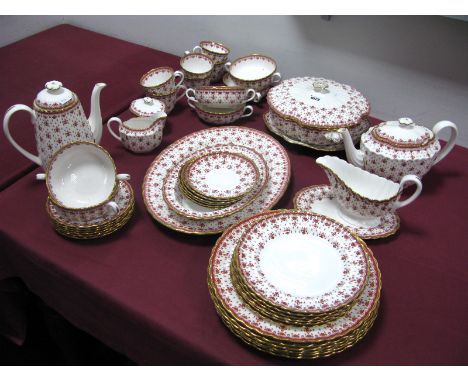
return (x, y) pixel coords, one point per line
(409, 179)
(438, 127)
(109, 122)
(6, 120)
(112, 208)
(276, 78)
(184, 89)
(248, 111)
(123, 177)
(179, 74)
(251, 94)
(227, 66)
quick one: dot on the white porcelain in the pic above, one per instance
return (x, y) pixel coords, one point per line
(140, 134)
(365, 194)
(59, 119)
(170, 100)
(161, 81)
(254, 67)
(221, 96)
(197, 82)
(396, 148)
(82, 175)
(271, 150)
(185, 207)
(261, 86)
(215, 50)
(196, 66)
(147, 107)
(217, 73)
(321, 200)
(221, 115)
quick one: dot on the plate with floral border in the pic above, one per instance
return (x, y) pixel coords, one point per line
(319, 199)
(274, 154)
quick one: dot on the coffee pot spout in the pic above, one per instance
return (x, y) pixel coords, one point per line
(355, 156)
(95, 117)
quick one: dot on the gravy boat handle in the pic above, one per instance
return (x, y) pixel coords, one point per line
(409, 179)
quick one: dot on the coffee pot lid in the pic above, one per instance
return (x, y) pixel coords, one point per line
(54, 96)
(403, 133)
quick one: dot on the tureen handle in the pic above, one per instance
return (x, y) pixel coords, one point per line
(409, 179)
(438, 127)
(109, 122)
(6, 129)
(112, 208)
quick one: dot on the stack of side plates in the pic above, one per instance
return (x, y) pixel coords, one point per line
(91, 226)
(294, 284)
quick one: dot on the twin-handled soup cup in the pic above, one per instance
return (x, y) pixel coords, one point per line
(221, 116)
(221, 96)
(140, 134)
(81, 178)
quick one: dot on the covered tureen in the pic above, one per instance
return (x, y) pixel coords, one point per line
(310, 110)
(396, 148)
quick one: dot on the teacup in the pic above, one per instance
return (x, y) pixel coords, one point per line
(170, 100)
(81, 176)
(221, 96)
(364, 194)
(221, 116)
(215, 50)
(161, 81)
(147, 106)
(196, 66)
(255, 71)
(140, 134)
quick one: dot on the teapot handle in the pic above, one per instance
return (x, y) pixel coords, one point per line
(6, 120)
(409, 179)
(438, 127)
(114, 119)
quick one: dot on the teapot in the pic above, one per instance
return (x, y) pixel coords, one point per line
(59, 119)
(394, 149)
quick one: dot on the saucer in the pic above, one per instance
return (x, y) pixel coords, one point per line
(319, 199)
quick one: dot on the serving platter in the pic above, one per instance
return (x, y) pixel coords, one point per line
(270, 149)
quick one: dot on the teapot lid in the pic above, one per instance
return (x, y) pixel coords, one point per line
(54, 96)
(146, 107)
(403, 133)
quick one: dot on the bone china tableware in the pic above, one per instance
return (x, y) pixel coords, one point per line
(147, 107)
(396, 148)
(177, 201)
(196, 66)
(217, 73)
(81, 176)
(170, 100)
(59, 119)
(220, 96)
(140, 134)
(214, 50)
(311, 110)
(268, 148)
(221, 116)
(161, 81)
(284, 339)
(301, 263)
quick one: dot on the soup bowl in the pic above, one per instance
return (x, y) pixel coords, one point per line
(221, 116)
(221, 96)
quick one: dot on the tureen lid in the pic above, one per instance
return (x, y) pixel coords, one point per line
(318, 102)
(403, 133)
(54, 96)
(147, 106)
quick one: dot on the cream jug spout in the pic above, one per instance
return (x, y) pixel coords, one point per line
(95, 118)
(355, 156)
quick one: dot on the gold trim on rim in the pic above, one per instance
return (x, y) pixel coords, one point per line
(252, 55)
(216, 43)
(154, 70)
(70, 105)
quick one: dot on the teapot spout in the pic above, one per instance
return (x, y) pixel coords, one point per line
(95, 118)
(355, 156)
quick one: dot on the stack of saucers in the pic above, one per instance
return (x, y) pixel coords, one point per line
(87, 199)
(294, 284)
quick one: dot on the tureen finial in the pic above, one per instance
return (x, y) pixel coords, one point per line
(320, 86)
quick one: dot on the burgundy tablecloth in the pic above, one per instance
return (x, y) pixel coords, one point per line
(143, 290)
(78, 58)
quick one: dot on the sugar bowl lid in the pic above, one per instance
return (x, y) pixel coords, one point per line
(54, 96)
(403, 133)
(318, 102)
(146, 107)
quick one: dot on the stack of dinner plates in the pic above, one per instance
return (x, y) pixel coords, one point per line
(95, 223)
(294, 284)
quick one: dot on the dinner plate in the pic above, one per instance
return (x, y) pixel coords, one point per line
(221, 175)
(274, 154)
(177, 200)
(219, 278)
(320, 199)
(303, 262)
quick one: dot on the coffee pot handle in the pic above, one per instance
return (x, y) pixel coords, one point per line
(109, 122)
(6, 120)
(409, 179)
(438, 127)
